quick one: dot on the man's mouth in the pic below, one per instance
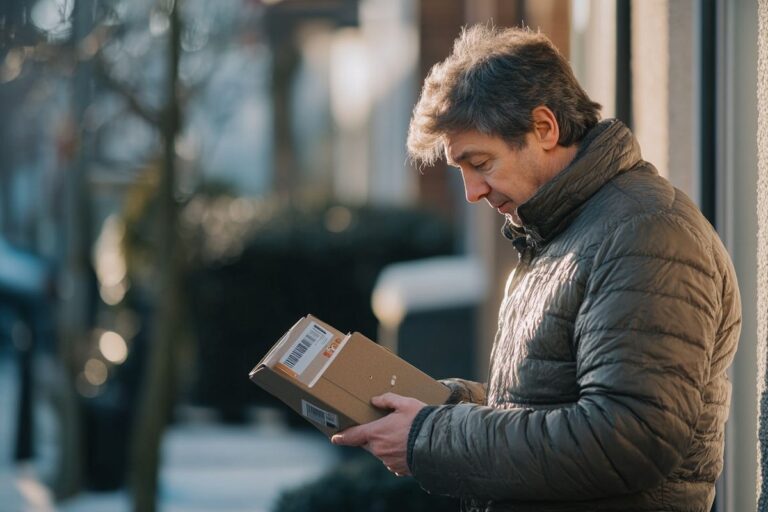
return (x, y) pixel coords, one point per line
(500, 206)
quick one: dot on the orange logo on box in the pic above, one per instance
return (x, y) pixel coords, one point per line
(331, 348)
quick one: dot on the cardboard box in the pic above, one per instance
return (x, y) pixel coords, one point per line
(329, 377)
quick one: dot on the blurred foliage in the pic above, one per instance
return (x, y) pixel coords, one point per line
(256, 267)
(251, 267)
(362, 484)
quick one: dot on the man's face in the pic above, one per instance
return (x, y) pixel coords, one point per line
(492, 170)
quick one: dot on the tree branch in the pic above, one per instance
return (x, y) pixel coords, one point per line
(146, 113)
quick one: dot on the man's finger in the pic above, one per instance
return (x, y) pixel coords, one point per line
(353, 436)
(388, 401)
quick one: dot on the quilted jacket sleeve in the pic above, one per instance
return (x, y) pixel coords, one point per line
(644, 336)
(465, 391)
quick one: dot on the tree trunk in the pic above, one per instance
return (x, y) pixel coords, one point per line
(160, 379)
(77, 311)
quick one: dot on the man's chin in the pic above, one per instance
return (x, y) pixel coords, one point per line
(514, 219)
(509, 212)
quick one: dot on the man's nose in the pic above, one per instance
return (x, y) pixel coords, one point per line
(475, 186)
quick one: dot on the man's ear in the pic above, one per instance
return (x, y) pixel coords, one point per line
(545, 127)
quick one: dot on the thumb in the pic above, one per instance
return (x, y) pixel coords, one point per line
(353, 436)
(388, 401)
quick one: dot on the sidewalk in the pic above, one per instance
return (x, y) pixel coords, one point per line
(223, 468)
(206, 466)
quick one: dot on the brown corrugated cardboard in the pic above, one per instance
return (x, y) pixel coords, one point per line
(329, 377)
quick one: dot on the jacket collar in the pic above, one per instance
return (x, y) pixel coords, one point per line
(608, 150)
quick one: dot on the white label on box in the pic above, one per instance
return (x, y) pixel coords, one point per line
(306, 347)
(319, 415)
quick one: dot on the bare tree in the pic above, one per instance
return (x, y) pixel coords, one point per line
(103, 75)
(161, 377)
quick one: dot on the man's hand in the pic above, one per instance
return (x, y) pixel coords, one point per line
(386, 438)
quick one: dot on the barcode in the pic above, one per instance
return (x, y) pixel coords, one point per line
(318, 415)
(310, 338)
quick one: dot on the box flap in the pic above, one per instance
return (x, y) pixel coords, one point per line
(366, 369)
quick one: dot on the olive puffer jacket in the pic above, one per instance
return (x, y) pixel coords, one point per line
(607, 387)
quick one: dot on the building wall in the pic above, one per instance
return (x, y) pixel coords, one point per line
(373, 72)
(390, 27)
(650, 75)
(762, 240)
(593, 50)
(737, 222)
(664, 88)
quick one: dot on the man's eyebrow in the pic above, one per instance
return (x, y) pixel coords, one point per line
(465, 155)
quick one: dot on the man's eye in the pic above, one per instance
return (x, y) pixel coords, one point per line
(481, 166)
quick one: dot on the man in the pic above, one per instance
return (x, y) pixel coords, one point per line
(607, 387)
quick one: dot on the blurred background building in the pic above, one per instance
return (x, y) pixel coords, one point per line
(181, 180)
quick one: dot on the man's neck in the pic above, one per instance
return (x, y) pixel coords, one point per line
(561, 158)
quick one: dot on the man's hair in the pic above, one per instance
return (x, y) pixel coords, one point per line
(491, 83)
